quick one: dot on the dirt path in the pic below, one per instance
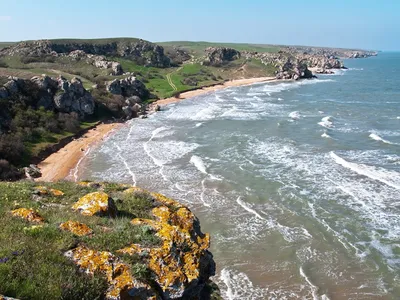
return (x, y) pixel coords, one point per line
(170, 80)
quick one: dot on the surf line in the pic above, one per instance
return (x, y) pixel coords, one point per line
(76, 169)
(199, 164)
(157, 162)
(126, 165)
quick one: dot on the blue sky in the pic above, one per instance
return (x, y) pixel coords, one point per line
(351, 23)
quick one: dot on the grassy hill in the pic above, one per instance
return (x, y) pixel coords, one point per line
(6, 44)
(197, 48)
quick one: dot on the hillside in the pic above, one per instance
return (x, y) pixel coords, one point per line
(51, 89)
(100, 241)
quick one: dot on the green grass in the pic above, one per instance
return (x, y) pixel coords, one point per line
(197, 48)
(38, 269)
(6, 44)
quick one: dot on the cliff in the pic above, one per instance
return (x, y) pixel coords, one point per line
(100, 240)
(140, 51)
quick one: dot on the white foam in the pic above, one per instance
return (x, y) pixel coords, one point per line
(199, 124)
(248, 208)
(126, 165)
(326, 135)
(390, 178)
(314, 288)
(75, 170)
(198, 163)
(378, 138)
(295, 115)
(326, 122)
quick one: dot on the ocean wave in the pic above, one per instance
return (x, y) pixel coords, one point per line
(294, 115)
(390, 178)
(198, 163)
(326, 122)
(378, 138)
(326, 135)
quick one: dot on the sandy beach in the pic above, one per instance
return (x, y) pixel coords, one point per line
(201, 91)
(64, 164)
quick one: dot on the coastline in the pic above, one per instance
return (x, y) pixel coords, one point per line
(60, 164)
(63, 164)
(208, 89)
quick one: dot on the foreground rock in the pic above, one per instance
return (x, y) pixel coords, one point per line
(97, 203)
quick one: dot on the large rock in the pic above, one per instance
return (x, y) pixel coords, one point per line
(217, 56)
(102, 63)
(97, 203)
(128, 87)
(73, 97)
(182, 264)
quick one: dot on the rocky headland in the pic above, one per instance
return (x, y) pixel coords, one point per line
(101, 241)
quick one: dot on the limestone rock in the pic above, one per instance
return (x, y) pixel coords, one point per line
(32, 172)
(97, 203)
(182, 264)
(74, 97)
(217, 56)
(128, 87)
(28, 214)
(76, 228)
(43, 191)
(122, 284)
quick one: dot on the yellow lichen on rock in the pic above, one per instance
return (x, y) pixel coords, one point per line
(27, 214)
(117, 273)
(76, 228)
(97, 203)
(178, 261)
(43, 190)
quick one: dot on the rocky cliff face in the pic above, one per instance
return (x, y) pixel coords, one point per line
(99, 61)
(140, 51)
(59, 94)
(218, 56)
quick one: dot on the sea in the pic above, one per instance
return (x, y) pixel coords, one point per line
(298, 183)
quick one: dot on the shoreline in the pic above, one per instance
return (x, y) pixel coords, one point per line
(64, 163)
(61, 164)
(213, 88)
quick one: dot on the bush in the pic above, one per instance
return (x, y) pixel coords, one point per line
(8, 172)
(3, 64)
(69, 122)
(11, 148)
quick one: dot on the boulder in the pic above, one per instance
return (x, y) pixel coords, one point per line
(128, 87)
(32, 171)
(97, 203)
(133, 100)
(74, 98)
(217, 56)
(12, 87)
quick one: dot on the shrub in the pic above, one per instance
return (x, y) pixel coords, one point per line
(11, 148)
(8, 172)
(3, 64)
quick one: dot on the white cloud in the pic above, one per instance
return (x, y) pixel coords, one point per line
(5, 18)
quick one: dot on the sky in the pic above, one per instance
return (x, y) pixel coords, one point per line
(368, 24)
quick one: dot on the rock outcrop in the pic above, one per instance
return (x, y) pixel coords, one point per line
(128, 87)
(140, 51)
(28, 214)
(73, 97)
(99, 61)
(59, 94)
(218, 56)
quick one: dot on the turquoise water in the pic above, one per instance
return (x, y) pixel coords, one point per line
(297, 182)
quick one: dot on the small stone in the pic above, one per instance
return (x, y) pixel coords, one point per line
(76, 228)
(27, 214)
